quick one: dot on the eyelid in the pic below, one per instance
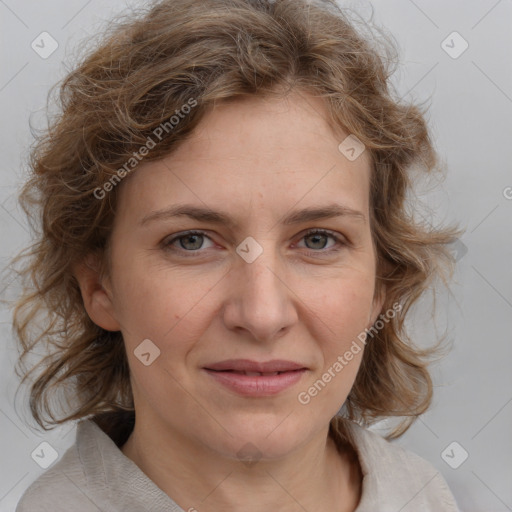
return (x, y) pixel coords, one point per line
(340, 240)
(168, 241)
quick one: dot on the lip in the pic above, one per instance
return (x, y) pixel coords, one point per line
(247, 365)
(229, 374)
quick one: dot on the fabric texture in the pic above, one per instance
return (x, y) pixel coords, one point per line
(94, 475)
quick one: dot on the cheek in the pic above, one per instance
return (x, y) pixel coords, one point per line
(342, 311)
(343, 307)
(162, 305)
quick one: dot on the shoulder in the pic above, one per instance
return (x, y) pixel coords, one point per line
(59, 486)
(64, 486)
(395, 478)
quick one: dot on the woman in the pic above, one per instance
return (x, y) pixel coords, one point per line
(218, 355)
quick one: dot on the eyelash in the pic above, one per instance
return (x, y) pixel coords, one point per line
(167, 244)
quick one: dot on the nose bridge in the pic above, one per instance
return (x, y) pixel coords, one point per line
(260, 302)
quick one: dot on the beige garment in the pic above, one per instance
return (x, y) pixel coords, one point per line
(94, 475)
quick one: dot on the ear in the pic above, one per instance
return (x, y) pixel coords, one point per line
(96, 292)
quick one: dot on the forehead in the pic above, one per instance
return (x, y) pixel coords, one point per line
(268, 152)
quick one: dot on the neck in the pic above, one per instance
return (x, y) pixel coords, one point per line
(319, 475)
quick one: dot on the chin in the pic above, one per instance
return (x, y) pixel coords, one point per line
(264, 439)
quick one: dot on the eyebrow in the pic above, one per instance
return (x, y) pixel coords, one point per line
(217, 217)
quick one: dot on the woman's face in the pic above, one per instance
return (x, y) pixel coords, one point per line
(256, 288)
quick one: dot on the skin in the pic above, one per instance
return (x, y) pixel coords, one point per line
(257, 160)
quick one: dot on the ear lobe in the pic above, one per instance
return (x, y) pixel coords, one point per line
(98, 301)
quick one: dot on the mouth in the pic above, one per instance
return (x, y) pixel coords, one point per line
(251, 374)
(256, 379)
(275, 366)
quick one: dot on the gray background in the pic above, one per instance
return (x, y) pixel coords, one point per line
(470, 110)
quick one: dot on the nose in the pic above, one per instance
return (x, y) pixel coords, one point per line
(259, 300)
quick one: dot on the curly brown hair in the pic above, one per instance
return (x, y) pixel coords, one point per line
(144, 69)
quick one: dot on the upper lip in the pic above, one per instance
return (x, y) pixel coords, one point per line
(246, 365)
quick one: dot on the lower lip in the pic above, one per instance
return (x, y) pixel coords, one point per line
(263, 385)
